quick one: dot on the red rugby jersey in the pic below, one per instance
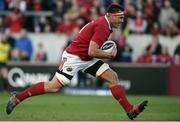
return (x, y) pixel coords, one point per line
(97, 30)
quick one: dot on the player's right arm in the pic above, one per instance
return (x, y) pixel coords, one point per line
(101, 34)
(95, 51)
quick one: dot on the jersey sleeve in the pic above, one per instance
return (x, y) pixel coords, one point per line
(100, 35)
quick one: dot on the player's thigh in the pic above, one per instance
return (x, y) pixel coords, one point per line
(110, 76)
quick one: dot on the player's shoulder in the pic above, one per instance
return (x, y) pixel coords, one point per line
(101, 22)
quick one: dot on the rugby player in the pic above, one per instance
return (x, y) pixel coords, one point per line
(84, 54)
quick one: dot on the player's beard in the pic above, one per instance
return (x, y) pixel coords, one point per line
(118, 26)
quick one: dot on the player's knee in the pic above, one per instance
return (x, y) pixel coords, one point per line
(55, 90)
(52, 86)
(115, 78)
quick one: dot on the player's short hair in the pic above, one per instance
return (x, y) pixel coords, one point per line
(114, 8)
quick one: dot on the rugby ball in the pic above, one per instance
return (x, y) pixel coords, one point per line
(108, 46)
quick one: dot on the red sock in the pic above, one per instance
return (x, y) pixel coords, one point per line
(119, 94)
(33, 90)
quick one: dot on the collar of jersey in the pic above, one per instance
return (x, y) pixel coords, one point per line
(110, 28)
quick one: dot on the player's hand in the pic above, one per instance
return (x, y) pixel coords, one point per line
(114, 52)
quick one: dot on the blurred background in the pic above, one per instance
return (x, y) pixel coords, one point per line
(35, 32)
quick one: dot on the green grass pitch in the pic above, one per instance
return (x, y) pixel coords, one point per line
(59, 107)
